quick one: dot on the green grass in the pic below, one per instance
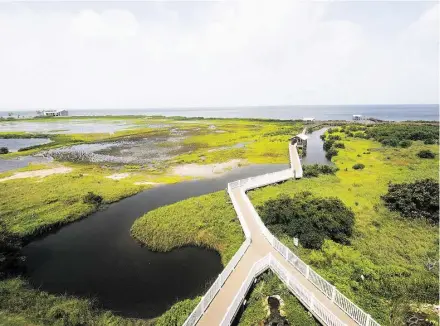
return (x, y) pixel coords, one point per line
(178, 313)
(256, 308)
(22, 305)
(389, 251)
(208, 221)
(30, 206)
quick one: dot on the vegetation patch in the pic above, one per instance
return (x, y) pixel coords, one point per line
(178, 313)
(256, 309)
(359, 166)
(426, 153)
(397, 134)
(308, 218)
(390, 269)
(21, 305)
(32, 206)
(209, 221)
(314, 170)
(4, 150)
(418, 199)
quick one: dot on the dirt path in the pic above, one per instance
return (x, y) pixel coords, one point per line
(38, 173)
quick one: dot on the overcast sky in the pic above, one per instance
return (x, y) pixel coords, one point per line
(180, 54)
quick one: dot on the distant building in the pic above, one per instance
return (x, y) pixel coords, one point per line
(308, 119)
(300, 140)
(358, 117)
(52, 113)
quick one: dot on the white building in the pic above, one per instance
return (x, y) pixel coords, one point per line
(52, 113)
(308, 119)
(300, 140)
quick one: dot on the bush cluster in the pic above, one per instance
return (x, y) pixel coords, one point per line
(330, 153)
(10, 252)
(419, 199)
(314, 170)
(401, 134)
(4, 150)
(358, 166)
(426, 153)
(339, 145)
(92, 198)
(308, 218)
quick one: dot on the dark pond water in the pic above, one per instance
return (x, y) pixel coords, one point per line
(97, 257)
(315, 152)
(14, 144)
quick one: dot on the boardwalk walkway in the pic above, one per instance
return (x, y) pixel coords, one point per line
(259, 248)
(262, 250)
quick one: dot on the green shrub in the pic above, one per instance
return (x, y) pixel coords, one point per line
(390, 134)
(405, 143)
(10, 252)
(426, 153)
(339, 145)
(429, 141)
(358, 166)
(178, 313)
(4, 150)
(390, 142)
(414, 200)
(92, 198)
(314, 170)
(308, 218)
(334, 137)
(330, 153)
(328, 144)
(322, 137)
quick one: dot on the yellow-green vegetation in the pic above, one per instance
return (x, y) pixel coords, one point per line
(21, 305)
(256, 309)
(205, 140)
(257, 141)
(178, 313)
(209, 221)
(31, 205)
(390, 268)
(57, 199)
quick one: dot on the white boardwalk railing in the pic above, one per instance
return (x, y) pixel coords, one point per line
(325, 316)
(305, 296)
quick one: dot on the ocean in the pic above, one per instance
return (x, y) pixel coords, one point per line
(319, 112)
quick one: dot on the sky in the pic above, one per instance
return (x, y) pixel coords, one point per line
(92, 55)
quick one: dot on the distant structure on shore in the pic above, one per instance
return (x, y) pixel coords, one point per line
(308, 119)
(52, 113)
(358, 117)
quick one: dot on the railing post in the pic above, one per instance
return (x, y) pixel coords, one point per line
(367, 322)
(202, 304)
(333, 293)
(307, 272)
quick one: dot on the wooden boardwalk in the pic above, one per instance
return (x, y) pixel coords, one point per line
(259, 248)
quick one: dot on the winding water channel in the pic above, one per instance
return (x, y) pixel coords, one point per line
(97, 257)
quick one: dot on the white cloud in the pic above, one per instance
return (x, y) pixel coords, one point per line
(240, 53)
(111, 23)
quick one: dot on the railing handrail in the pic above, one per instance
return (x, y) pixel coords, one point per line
(304, 295)
(328, 289)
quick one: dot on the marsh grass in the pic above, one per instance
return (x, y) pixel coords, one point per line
(208, 221)
(22, 305)
(386, 261)
(33, 206)
(255, 311)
